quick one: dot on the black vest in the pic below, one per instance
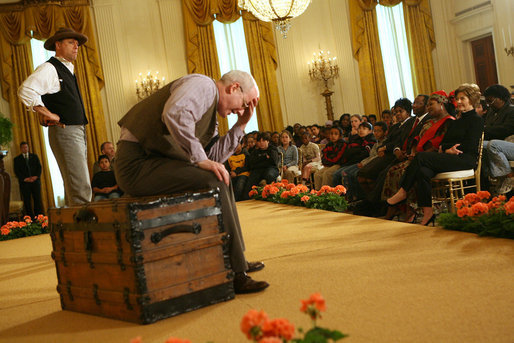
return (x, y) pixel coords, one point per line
(67, 103)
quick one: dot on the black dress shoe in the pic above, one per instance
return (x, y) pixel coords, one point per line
(245, 284)
(255, 266)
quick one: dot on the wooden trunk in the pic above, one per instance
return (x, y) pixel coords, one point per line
(141, 259)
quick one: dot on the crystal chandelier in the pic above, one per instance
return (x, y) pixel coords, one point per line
(148, 84)
(280, 12)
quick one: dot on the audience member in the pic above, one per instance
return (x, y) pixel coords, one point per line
(262, 163)
(239, 173)
(311, 158)
(315, 137)
(372, 119)
(290, 154)
(357, 149)
(331, 157)
(104, 183)
(275, 138)
(107, 148)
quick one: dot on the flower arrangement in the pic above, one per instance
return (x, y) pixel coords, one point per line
(327, 198)
(259, 328)
(477, 214)
(25, 228)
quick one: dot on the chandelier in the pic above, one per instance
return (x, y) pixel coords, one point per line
(148, 84)
(280, 12)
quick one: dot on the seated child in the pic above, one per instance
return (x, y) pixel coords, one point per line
(311, 159)
(290, 153)
(104, 183)
(332, 154)
(238, 171)
(262, 163)
(357, 149)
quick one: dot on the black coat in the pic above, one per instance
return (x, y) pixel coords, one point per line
(499, 124)
(22, 170)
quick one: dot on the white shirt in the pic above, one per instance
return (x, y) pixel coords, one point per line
(44, 80)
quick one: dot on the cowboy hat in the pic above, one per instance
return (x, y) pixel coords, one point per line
(64, 33)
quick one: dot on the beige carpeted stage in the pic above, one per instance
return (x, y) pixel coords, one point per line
(383, 282)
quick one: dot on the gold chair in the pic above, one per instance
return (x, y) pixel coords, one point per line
(453, 184)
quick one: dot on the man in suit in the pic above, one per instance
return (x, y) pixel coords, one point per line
(28, 171)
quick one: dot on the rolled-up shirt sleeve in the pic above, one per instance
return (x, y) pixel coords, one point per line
(44, 80)
(190, 97)
(226, 145)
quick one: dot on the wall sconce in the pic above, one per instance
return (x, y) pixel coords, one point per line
(324, 68)
(508, 51)
(148, 84)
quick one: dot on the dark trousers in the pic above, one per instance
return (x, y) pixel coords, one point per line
(31, 191)
(426, 165)
(140, 174)
(239, 183)
(269, 174)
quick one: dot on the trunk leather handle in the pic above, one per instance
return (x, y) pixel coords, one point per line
(195, 228)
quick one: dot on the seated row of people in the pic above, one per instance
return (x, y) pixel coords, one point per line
(386, 163)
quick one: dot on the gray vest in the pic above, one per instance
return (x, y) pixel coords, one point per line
(144, 121)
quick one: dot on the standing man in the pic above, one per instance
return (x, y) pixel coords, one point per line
(28, 171)
(107, 148)
(169, 144)
(52, 92)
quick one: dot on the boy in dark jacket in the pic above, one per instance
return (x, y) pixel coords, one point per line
(331, 158)
(262, 163)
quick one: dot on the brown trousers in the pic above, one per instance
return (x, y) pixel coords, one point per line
(141, 174)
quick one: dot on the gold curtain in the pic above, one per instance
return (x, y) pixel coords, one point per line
(421, 41)
(366, 49)
(16, 66)
(202, 56)
(260, 44)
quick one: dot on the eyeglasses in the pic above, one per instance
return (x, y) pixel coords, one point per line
(490, 102)
(245, 104)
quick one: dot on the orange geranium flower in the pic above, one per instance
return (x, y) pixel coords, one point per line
(279, 327)
(305, 198)
(290, 186)
(313, 191)
(285, 181)
(273, 190)
(270, 340)
(479, 208)
(483, 195)
(177, 340)
(22, 224)
(253, 192)
(471, 198)
(463, 212)
(461, 203)
(285, 194)
(5, 230)
(252, 322)
(27, 219)
(314, 305)
(509, 207)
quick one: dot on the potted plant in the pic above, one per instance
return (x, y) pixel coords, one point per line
(5, 134)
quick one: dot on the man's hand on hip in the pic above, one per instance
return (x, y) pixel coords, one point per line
(217, 168)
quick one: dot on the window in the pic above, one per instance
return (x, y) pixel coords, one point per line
(232, 54)
(39, 56)
(395, 52)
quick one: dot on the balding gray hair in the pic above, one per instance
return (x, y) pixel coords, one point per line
(245, 80)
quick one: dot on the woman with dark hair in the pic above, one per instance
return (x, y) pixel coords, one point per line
(457, 151)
